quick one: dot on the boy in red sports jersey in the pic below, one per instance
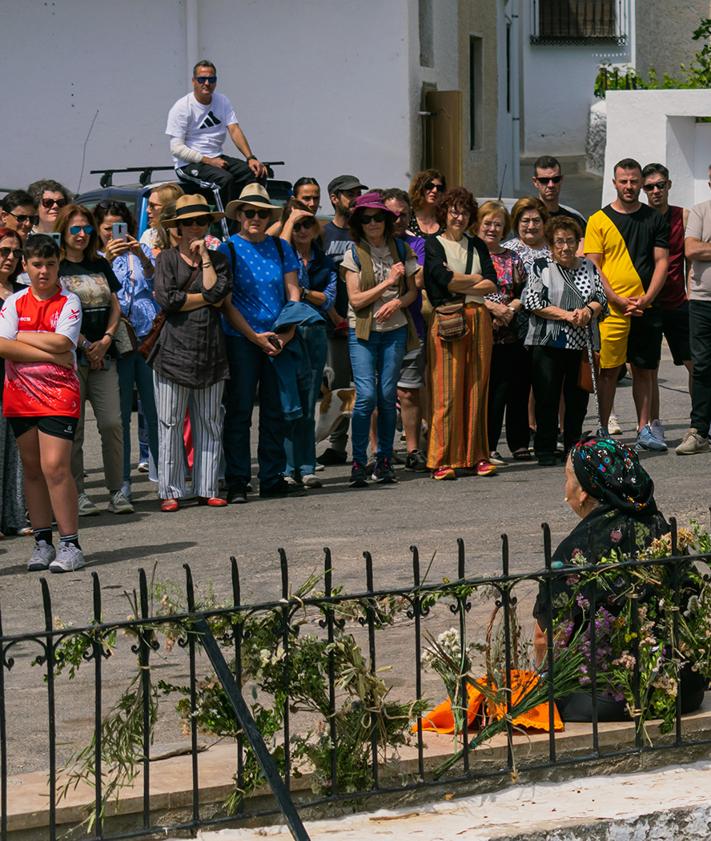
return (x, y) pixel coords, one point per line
(39, 328)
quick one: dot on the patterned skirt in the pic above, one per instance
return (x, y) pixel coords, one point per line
(459, 392)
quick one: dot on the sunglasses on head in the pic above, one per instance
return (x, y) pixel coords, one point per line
(430, 185)
(261, 214)
(206, 80)
(5, 251)
(657, 185)
(551, 179)
(203, 221)
(306, 224)
(376, 217)
(49, 203)
(75, 229)
(23, 218)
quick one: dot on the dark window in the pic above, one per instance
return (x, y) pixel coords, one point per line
(476, 88)
(574, 21)
(426, 25)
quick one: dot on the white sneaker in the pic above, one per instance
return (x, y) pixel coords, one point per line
(693, 443)
(69, 558)
(118, 504)
(613, 426)
(42, 556)
(292, 482)
(311, 480)
(143, 467)
(86, 506)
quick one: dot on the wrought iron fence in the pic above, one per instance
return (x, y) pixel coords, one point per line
(310, 664)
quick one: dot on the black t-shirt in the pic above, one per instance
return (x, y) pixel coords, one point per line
(93, 281)
(335, 242)
(553, 214)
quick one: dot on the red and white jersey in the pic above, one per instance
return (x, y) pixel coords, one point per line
(35, 389)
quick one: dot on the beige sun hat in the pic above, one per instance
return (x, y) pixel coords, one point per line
(253, 195)
(190, 207)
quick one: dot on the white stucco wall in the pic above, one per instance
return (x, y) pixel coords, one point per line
(660, 126)
(321, 84)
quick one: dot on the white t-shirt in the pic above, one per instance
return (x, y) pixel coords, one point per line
(201, 127)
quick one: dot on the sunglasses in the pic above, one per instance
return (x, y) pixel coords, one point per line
(657, 185)
(202, 221)
(430, 185)
(206, 80)
(49, 203)
(552, 179)
(306, 224)
(376, 217)
(261, 214)
(6, 252)
(23, 218)
(87, 229)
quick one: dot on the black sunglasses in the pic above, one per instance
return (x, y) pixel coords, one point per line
(262, 214)
(656, 185)
(376, 217)
(306, 224)
(198, 220)
(49, 203)
(430, 185)
(5, 251)
(206, 80)
(23, 217)
(552, 179)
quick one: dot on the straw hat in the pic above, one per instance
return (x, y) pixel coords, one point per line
(253, 195)
(190, 207)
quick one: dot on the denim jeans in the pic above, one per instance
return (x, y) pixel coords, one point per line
(133, 369)
(376, 369)
(251, 369)
(300, 443)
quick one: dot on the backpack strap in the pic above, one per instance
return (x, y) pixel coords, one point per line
(233, 255)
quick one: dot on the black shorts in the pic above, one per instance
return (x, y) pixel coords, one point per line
(54, 425)
(675, 324)
(644, 345)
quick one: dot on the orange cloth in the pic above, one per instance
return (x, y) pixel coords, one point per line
(441, 720)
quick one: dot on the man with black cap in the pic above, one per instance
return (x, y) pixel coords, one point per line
(343, 190)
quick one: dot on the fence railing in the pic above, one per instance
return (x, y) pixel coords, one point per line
(338, 683)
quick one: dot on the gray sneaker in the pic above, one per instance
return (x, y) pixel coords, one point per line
(118, 504)
(42, 556)
(69, 559)
(86, 506)
(693, 443)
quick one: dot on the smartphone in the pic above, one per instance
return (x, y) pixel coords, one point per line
(119, 230)
(274, 342)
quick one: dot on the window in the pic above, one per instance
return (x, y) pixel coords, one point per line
(426, 24)
(476, 88)
(575, 21)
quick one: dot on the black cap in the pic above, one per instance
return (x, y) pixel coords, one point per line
(344, 182)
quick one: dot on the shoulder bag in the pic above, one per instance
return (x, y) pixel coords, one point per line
(147, 345)
(451, 324)
(125, 338)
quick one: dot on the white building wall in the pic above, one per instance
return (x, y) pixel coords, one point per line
(670, 135)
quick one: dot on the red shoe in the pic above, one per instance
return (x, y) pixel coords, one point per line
(169, 505)
(213, 501)
(444, 473)
(485, 468)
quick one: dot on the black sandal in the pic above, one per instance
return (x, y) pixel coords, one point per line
(522, 455)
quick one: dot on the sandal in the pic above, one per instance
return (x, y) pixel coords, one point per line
(522, 454)
(444, 472)
(169, 505)
(485, 468)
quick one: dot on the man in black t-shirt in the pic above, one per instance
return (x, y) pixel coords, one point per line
(548, 179)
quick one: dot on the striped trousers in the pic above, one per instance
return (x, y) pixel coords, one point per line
(459, 391)
(172, 401)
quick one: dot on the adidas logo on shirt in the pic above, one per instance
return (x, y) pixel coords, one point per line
(210, 121)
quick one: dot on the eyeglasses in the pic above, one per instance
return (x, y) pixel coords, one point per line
(261, 214)
(202, 221)
(48, 204)
(655, 185)
(376, 217)
(23, 218)
(551, 179)
(430, 185)
(206, 80)
(5, 251)
(75, 229)
(306, 224)
(561, 243)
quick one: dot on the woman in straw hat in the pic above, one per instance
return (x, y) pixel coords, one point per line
(189, 360)
(265, 271)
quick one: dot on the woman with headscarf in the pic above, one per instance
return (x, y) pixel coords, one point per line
(607, 487)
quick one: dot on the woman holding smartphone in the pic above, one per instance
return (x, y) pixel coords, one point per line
(132, 264)
(92, 279)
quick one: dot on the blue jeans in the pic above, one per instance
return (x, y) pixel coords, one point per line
(133, 369)
(251, 369)
(376, 368)
(300, 443)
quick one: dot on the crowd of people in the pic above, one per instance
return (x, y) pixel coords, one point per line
(456, 318)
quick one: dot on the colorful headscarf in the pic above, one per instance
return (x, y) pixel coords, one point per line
(611, 473)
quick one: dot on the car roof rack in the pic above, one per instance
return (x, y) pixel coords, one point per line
(144, 178)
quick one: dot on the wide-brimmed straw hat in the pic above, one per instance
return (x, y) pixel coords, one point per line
(253, 195)
(190, 207)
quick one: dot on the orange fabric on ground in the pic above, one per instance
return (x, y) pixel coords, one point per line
(441, 720)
